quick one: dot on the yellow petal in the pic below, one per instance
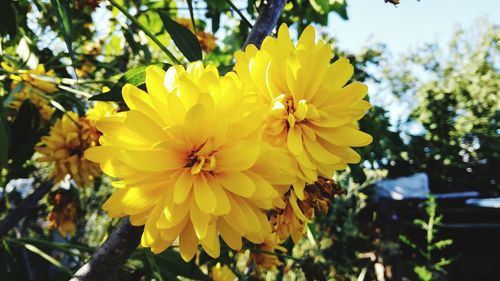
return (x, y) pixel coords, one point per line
(230, 236)
(223, 205)
(319, 153)
(339, 73)
(240, 156)
(199, 219)
(211, 243)
(344, 136)
(183, 186)
(294, 140)
(203, 195)
(153, 160)
(188, 242)
(144, 126)
(236, 182)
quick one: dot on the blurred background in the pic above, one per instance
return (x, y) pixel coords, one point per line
(424, 204)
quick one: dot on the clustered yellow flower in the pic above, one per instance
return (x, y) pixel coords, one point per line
(264, 257)
(33, 88)
(201, 155)
(68, 139)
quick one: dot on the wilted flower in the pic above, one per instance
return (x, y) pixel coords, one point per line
(293, 219)
(190, 161)
(65, 213)
(312, 112)
(264, 257)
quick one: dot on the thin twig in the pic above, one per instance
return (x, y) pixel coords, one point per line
(242, 16)
(268, 17)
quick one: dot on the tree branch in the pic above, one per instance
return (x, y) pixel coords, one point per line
(268, 17)
(106, 262)
(22, 210)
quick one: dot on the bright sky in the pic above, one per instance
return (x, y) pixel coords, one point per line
(410, 24)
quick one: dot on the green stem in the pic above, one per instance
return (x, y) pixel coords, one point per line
(247, 22)
(145, 30)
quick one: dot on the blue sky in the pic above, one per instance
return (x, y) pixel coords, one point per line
(410, 24)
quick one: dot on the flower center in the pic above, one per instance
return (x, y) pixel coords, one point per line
(201, 163)
(293, 112)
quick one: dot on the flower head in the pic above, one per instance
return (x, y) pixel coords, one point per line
(68, 139)
(312, 112)
(33, 88)
(190, 161)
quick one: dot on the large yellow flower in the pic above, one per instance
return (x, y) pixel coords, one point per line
(312, 111)
(190, 162)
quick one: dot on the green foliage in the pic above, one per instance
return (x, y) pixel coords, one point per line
(455, 96)
(431, 268)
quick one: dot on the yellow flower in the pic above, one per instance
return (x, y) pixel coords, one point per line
(39, 101)
(222, 273)
(100, 110)
(33, 88)
(264, 258)
(312, 111)
(190, 161)
(68, 139)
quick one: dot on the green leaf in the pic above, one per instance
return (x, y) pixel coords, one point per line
(423, 273)
(47, 257)
(10, 97)
(407, 241)
(183, 38)
(443, 243)
(320, 6)
(172, 261)
(62, 8)
(191, 13)
(25, 134)
(339, 7)
(8, 19)
(135, 76)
